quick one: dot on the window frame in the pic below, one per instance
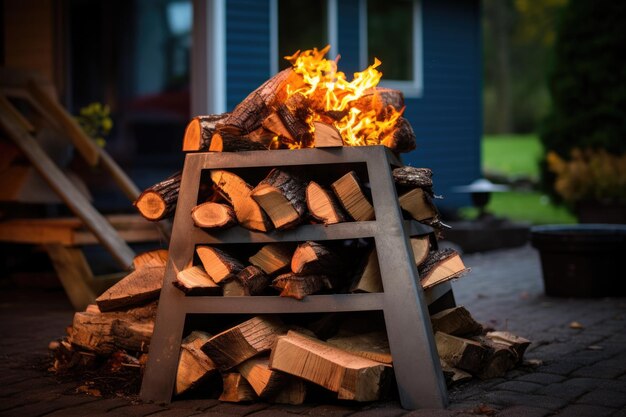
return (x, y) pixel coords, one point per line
(331, 23)
(410, 88)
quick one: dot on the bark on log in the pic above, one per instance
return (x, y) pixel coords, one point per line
(298, 128)
(350, 376)
(237, 344)
(200, 130)
(194, 366)
(158, 202)
(253, 279)
(378, 99)
(225, 142)
(413, 177)
(219, 265)
(350, 194)
(403, 138)
(323, 205)
(516, 343)
(299, 286)
(213, 216)
(313, 258)
(500, 359)
(465, 354)
(237, 192)
(282, 195)
(250, 113)
(136, 288)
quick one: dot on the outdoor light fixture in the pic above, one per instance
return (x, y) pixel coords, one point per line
(480, 191)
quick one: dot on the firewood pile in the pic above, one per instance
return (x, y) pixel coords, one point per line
(282, 358)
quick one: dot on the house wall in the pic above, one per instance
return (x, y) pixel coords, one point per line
(447, 117)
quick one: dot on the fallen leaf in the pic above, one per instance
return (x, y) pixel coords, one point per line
(595, 347)
(484, 410)
(576, 325)
(84, 389)
(533, 362)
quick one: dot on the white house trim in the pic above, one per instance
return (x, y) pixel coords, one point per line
(415, 87)
(208, 57)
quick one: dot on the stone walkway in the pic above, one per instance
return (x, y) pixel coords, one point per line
(583, 370)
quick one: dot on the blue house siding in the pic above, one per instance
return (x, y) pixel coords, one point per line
(447, 118)
(247, 48)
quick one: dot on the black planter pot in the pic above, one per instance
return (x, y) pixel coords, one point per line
(581, 260)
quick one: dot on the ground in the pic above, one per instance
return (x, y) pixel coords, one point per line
(581, 344)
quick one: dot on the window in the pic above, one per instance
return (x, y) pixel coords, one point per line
(391, 32)
(301, 25)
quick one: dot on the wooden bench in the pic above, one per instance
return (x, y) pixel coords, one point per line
(63, 239)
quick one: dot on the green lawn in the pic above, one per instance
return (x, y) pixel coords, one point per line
(517, 156)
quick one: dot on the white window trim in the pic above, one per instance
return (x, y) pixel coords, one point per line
(410, 89)
(331, 23)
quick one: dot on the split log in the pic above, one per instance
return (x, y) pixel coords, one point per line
(274, 123)
(372, 345)
(138, 287)
(195, 281)
(298, 128)
(500, 359)
(265, 382)
(516, 343)
(233, 288)
(250, 113)
(326, 136)
(456, 321)
(237, 192)
(465, 354)
(159, 201)
(194, 366)
(225, 142)
(350, 194)
(454, 375)
(105, 333)
(236, 389)
(282, 196)
(368, 279)
(421, 248)
(293, 392)
(253, 280)
(379, 99)
(151, 258)
(273, 257)
(299, 286)
(418, 204)
(237, 344)
(352, 377)
(441, 266)
(323, 205)
(403, 138)
(414, 177)
(264, 137)
(219, 265)
(214, 216)
(200, 130)
(313, 258)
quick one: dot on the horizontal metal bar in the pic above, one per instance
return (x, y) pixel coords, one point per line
(277, 304)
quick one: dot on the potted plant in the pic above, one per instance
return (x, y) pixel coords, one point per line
(592, 183)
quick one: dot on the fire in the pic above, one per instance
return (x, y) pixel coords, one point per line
(329, 89)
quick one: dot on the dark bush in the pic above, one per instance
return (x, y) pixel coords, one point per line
(588, 81)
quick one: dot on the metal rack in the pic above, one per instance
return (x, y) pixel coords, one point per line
(403, 303)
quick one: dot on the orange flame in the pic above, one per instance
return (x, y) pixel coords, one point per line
(329, 89)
